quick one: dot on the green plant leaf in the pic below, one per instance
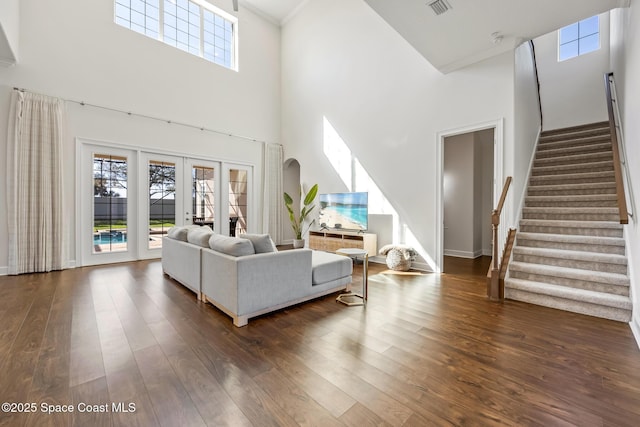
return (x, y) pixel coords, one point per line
(311, 195)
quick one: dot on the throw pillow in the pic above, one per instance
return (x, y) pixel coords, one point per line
(233, 246)
(179, 232)
(262, 243)
(199, 236)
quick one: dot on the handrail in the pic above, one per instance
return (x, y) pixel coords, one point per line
(620, 194)
(494, 291)
(535, 67)
(503, 196)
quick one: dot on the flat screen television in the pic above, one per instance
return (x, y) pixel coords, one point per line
(347, 211)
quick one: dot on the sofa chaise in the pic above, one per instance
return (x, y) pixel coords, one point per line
(246, 276)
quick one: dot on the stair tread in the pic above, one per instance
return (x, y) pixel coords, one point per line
(576, 224)
(571, 273)
(587, 166)
(572, 238)
(565, 292)
(586, 127)
(579, 209)
(574, 176)
(566, 254)
(576, 140)
(576, 186)
(574, 197)
(573, 158)
(591, 148)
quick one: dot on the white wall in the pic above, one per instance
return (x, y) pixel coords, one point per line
(72, 49)
(9, 30)
(527, 123)
(572, 90)
(626, 70)
(341, 61)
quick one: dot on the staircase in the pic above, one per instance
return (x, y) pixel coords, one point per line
(570, 252)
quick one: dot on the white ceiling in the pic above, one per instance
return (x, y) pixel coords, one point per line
(276, 10)
(463, 34)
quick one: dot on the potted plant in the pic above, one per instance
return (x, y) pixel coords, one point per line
(298, 221)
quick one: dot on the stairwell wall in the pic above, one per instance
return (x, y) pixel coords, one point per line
(572, 90)
(527, 123)
(625, 63)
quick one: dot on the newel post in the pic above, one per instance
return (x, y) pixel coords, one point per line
(493, 292)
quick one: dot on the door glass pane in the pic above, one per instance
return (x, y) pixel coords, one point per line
(203, 195)
(162, 206)
(109, 203)
(237, 201)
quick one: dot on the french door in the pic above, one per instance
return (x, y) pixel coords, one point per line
(238, 180)
(202, 191)
(129, 198)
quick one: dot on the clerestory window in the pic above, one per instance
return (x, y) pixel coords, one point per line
(194, 26)
(579, 38)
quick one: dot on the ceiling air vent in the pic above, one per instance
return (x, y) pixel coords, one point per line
(439, 6)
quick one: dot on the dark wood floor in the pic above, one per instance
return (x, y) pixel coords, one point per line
(427, 350)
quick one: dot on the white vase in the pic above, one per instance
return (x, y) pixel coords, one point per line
(298, 243)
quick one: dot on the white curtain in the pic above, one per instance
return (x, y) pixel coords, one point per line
(37, 240)
(273, 191)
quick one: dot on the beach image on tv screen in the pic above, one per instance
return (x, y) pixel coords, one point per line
(348, 211)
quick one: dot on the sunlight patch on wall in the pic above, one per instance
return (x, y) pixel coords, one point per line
(338, 154)
(356, 178)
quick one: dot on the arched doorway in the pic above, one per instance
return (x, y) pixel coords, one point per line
(291, 185)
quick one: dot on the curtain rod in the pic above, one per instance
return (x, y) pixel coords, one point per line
(129, 113)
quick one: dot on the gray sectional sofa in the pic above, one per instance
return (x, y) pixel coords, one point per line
(247, 276)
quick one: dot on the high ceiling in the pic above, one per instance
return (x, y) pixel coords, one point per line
(465, 33)
(277, 10)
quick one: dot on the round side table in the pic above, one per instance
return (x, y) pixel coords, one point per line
(352, 298)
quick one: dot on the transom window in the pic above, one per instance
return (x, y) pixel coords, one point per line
(579, 38)
(191, 25)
